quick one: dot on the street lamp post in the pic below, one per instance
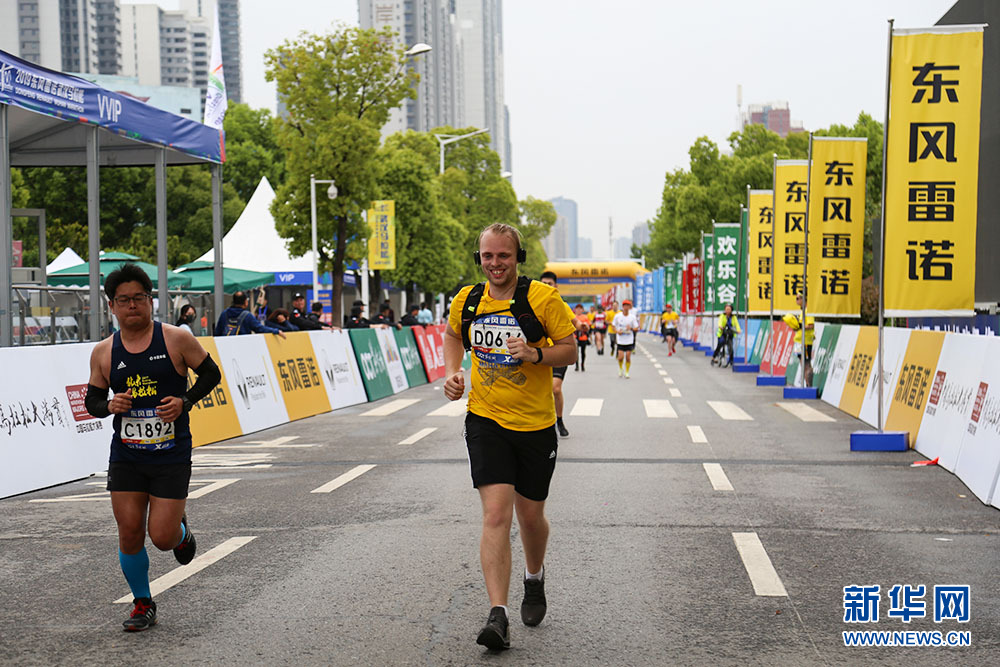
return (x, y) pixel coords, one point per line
(445, 139)
(331, 192)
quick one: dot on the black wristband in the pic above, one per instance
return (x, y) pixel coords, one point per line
(186, 404)
(539, 360)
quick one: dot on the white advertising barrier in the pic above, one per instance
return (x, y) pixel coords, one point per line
(250, 374)
(339, 368)
(894, 347)
(836, 377)
(707, 334)
(979, 458)
(46, 435)
(952, 395)
(390, 352)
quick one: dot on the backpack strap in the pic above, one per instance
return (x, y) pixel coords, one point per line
(469, 311)
(239, 323)
(520, 307)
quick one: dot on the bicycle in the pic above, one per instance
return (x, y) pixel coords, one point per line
(723, 356)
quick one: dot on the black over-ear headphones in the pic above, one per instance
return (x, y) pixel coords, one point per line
(522, 256)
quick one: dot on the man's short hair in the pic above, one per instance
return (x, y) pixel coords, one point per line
(126, 273)
(549, 274)
(502, 229)
(317, 307)
(240, 299)
(414, 307)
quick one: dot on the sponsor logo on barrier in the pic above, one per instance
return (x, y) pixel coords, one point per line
(298, 373)
(372, 363)
(251, 388)
(861, 366)
(76, 393)
(912, 385)
(30, 414)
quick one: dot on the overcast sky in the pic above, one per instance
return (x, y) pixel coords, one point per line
(605, 98)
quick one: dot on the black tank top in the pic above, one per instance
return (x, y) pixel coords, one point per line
(139, 435)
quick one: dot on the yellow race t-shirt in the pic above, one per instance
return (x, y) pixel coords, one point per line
(610, 317)
(667, 318)
(514, 394)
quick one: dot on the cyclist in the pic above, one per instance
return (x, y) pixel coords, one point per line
(728, 325)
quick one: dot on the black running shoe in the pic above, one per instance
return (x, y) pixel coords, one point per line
(184, 551)
(533, 606)
(495, 635)
(143, 616)
(563, 433)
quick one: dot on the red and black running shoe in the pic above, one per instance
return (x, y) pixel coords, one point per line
(143, 616)
(184, 551)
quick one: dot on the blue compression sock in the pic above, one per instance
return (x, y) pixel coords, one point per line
(184, 534)
(135, 567)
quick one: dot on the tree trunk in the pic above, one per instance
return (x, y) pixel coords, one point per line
(375, 287)
(337, 271)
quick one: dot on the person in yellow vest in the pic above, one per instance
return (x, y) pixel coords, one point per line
(803, 348)
(668, 321)
(727, 327)
(514, 344)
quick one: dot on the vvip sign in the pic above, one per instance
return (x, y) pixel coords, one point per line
(932, 170)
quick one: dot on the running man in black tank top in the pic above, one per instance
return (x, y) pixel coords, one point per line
(146, 364)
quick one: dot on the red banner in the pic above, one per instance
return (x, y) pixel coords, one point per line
(18, 253)
(692, 288)
(430, 342)
(782, 337)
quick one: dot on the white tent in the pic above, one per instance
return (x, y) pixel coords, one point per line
(66, 259)
(253, 243)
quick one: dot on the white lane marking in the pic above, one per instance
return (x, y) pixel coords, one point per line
(806, 413)
(729, 411)
(668, 380)
(675, 393)
(661, 372)
(657, 365)
(587, 407)
(276, 442)
(353, 473)
(450, 409)
(179, 574)
(697, 435)
(207, 460)
(659, 408)
(213, 485)
(392, 406)
(205, 487)
(281, 442)
(717, 476)
(422, 433)
(762, 574)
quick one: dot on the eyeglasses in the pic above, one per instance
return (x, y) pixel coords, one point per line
(138, 300)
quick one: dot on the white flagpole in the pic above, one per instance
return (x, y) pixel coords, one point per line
(774, 222)
(805, 261)
(881, 248)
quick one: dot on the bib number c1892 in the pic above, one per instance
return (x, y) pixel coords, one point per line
(143, 429)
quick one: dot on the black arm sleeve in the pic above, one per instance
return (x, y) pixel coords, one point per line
(97, 401)
(209, 375)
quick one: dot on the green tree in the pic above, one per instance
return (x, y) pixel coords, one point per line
(537, 218)
(252, 150)
(338, 89)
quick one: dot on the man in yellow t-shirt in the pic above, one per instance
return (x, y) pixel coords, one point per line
(612, 334)
(668, 322)
(509, 430)
(803, 350)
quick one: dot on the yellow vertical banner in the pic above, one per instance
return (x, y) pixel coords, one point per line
(789, 232)
(382, 235)
(836, 225)
(760, 216)
(932, 171)
(214, 417)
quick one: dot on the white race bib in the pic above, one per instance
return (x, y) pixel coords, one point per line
(143, 429)
(489, 335)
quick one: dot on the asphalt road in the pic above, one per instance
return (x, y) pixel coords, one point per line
(643, 565)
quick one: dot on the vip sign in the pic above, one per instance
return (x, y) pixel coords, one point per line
(932, 171)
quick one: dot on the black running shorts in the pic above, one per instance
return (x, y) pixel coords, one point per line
(559, 372)
(626, 348)
(672, 332)
(162, 480)
(498, 455)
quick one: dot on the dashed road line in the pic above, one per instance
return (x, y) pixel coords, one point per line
(179, 574)
(422, 433)
(763, 576)
(333, 484)
(389, 408)
(450, 409)
(213, 485)
(717, 476)
(697, 435)
(661, 372)
(806, 413)
(659, 409)
(668, 380)
(729, 411)
(587, 407)
(675, 393)
(657, 365)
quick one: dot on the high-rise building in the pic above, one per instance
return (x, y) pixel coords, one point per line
(640, 234)
(622, 248)
(230, 40)
(156, 46)
(586, 248)
(775, 116)
(566, 219)
(480, 24)
(67, 35)
(439, 100)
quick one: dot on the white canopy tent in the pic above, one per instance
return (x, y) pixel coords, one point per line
(66, 259)
(253, 242)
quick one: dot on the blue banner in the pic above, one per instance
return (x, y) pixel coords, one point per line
(35, 88)
(984, 325)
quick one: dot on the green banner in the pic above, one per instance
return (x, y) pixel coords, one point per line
(707, 275)
(679, 283)
(760, 343)
(371, 362)
(726, 254)
(410, 355)
(671, 286)
(823, 355)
